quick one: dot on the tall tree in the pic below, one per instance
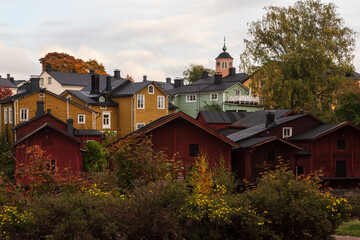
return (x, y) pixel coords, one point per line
(195, 72)
(63, 62)
(299, 55)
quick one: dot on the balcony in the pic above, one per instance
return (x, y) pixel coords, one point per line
(245, 100)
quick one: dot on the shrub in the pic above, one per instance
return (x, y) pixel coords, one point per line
(95, 157)
(14, 223)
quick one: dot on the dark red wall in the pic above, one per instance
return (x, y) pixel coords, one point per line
(176, 136)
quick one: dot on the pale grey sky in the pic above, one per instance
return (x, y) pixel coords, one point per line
(157, 38)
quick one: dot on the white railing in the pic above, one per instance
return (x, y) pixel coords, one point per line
(245, 100)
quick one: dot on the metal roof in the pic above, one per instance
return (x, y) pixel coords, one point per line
(316, 131)
(222, 117)
(5, 82)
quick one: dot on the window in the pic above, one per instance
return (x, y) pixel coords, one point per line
(151, 89)
(5, 115)
(24, 114)
(140, 101)
(81, 118)
(139, 125)
(341, 144)
(160, 102)
(287, 132)
(49, 80)
(103, 107)
(218, 64)
(10, 115)
(101, 99)
(340, 169)
(224, 65)
(106, 120)
(191, 98)
(300, 170)
(41, 94)
(52, 165)
(42, 82)
(193, 150)
(213, 97)
(237, 92)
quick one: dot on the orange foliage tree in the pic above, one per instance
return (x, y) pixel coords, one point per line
(5, 92)
(63, 62)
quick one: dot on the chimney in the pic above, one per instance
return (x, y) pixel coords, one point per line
(232, 71)
(70, 127)
(0, 76)
(12, 80)
(144, 78)
(8, 76)
(48, 67)
(205, 74)
(33, 85)
(94, 84)
(270, 118)
(168, 79)
(117, 74)
(39, 108)
(178, 82)
(218, 78)
(92, 71)
(108, 83)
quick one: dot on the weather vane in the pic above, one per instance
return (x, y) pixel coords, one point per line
(224, 47)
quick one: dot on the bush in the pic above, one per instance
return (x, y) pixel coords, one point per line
(95, 157)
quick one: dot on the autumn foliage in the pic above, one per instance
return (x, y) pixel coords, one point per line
(5, 92)
(63, 62)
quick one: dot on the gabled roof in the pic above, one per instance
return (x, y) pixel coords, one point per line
(47, 124)
(38, 117)
(222, 117)
(133, 88)
(255, 142)
(86, 97)
(319, 131)
(251, 131)
(87, 132)
(168, 118)
(115, 83)
(5, 82)
(75, 79)
(259, 117)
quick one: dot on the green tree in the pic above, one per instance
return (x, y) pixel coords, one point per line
(195, 72)
(7, 161)
(213, 106)
(95, 157)
(348, 105)
(299, 55)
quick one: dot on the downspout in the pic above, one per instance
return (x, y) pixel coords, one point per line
(67, 108)
(95, 120)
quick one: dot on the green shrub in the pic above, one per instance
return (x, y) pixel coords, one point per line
(95, 157)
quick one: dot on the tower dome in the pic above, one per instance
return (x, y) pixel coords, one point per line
(224, 62)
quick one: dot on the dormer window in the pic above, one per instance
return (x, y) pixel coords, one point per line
(151, 89)
(101, 99)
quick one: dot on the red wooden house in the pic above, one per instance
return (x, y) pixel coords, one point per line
(180, 133)
(65, 144)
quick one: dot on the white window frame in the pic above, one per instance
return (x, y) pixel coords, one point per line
(237, 92)
(212, 97)
(152, 87)
(26, 112)
(140, 101)
(49, 80)
(160, 102)
(10, 115)
(103, 107)
(5, 116)
(42, 82)
(140, 125)
(287, 132)
(191, 98)
(108, 125)
(224, 65)
(41, 94)
(79, 118)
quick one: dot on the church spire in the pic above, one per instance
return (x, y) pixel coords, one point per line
(224, 47)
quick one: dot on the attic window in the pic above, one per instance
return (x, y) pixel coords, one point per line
(341, 144)
(101, 99)
(287, 132)
(151, 89)
(41, 94)
(102, 106)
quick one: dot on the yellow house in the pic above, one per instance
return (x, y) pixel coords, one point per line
(22, 107)
(139, 104)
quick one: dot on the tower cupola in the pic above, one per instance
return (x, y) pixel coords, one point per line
(224, 62)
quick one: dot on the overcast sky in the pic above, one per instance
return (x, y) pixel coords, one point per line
(157, 38)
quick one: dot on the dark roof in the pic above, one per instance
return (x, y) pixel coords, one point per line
(38, 117)
(254, 142)
(258, 117)
(316, 131)
(115, 83)
(47, 124)
(237, 77)
(251, 131)
(87, 132)
(5, 82)
(224, 55)
(133, 88)
(172, 106)
(168, 118)
(166, 86)
(86, 97)
(222, 117)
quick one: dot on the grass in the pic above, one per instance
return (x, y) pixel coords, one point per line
(351, 228)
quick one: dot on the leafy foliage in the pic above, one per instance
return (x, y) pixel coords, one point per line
(136, 162)
(348, 105)
(299, 55)
(5, 93)
(7, 161)
(213, 106)
(63, 62)
(95, 157)
(195, 72)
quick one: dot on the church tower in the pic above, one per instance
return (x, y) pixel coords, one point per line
(224, 62)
